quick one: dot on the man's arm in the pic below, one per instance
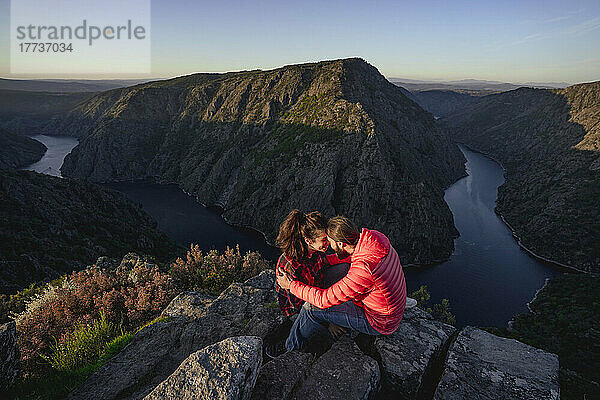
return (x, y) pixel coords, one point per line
(357, 282)
(333, 259)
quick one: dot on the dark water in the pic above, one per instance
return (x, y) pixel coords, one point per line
(488, 279)
(186, 221)
(58, 148)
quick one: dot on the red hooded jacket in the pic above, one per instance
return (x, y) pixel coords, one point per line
(374, 282)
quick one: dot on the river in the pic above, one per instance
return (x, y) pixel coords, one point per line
(187, 221)
(487, 280)
(58, 148)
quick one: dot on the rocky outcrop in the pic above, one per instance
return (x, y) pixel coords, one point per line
(189, 304)
(333, 136)
(9, 355)
(158, 350)
(411, 363)
(342, 373)
(484, 366)
(549, 143)
(178, 358)
(412, 357)
(18, 151)
(51, 226)
(226, 370)
(278, 378)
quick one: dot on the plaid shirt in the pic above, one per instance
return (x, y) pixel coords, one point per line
(311, 273)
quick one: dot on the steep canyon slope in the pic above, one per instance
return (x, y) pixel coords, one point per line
(333, 136)
(51, 226)
(17, 151)
(549, 143)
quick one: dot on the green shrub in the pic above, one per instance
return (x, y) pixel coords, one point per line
(83, 346)
(213, 272)
(76, 324)
(422, 296)
(113, 347)
(129, 296)
(441, 311)
(154, 321)
(86, 349)
(14, 304)
(292, 137)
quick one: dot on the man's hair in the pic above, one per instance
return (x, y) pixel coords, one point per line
(341, 229)
(294, 228)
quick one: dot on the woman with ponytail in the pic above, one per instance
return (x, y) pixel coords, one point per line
(303, 241)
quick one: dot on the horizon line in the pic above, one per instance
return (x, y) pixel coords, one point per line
(24, 77)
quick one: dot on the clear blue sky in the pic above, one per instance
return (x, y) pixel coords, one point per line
(513, 41)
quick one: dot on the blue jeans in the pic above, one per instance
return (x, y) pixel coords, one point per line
(347, 314)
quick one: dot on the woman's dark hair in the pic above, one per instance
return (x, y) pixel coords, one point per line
(294, 228)
(341, 229)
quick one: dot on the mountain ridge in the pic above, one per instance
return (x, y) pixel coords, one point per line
(18, 151)
(548, 142)
(334, 136)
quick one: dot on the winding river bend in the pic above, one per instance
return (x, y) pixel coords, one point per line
(58, 148)
(488, 279)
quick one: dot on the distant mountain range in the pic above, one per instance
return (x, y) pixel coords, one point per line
(333, 136)
(29, 113)
(441, 102)
(469, 85)
(442, 98)
(27, 105)
(66, 85)
(100, 85)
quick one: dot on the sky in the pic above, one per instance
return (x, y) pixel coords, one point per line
(509, 41)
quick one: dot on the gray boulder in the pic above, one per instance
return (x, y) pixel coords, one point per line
(9, 355)
(411, 356)
(156, 351)
(188, 304)
(484, 366)
(223, 371)
(342, 373)
(277, 378)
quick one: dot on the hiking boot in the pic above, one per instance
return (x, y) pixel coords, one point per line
(410, 303)
(275, 349)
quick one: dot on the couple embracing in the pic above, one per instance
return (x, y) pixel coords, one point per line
(361, 287)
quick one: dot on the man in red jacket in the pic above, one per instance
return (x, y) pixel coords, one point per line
(370, 299)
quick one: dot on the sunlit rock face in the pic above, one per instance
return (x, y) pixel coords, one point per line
(333, 136)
